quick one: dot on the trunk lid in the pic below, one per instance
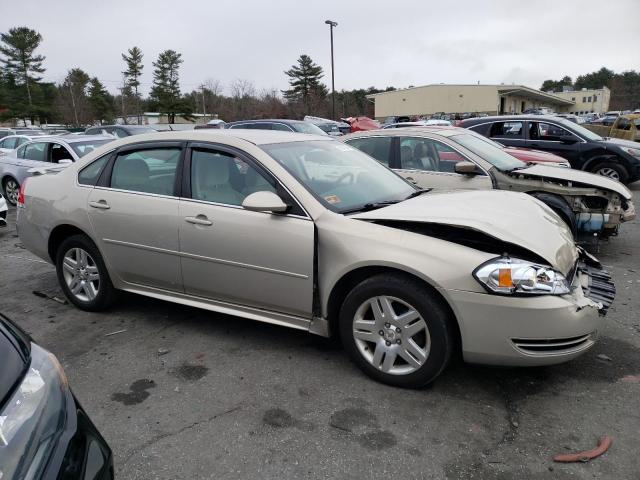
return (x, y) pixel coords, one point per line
(511, 217)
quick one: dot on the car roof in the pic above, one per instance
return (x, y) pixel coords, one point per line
(509, 118)
(444, 130)
(257, 137)
(258, 120)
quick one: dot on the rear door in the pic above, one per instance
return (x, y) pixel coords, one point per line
(134, 213)
(229, 254)
(508, 132)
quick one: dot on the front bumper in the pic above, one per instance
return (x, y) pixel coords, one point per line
(531, 331)
(80, 451)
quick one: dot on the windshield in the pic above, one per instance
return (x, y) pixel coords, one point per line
(341, 177)
(496, 156)
(82, 148)
(305, 127)
(580, 130)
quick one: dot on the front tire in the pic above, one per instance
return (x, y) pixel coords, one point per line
(82, 274)
(396, 331)
(612, 170)
(11, 190)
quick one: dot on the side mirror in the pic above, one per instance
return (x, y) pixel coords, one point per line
(465, 168)
(568, 139)
(264, 202)
(65, 161)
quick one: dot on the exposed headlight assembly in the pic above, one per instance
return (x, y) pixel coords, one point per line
(32, 418)
(512, 276)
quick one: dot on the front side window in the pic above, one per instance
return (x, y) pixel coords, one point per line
(547, 131)
(305, 127)
(146, 171)
(220, 177)
(507, 130)
(280, 126)
(35, 151)
(418, 154)
(376, 147)
(58, 152)
(120, 132)
(342, 178)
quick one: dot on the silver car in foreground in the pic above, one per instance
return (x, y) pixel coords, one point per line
(43, 152)
(306, 232)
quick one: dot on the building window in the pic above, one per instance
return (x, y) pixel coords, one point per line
(573, 99)
(584, 99)
(595, 98)
(589, 99)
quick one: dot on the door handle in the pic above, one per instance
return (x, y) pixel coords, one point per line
(199, 220)
(102, 204)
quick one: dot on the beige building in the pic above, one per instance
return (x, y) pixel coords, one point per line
(490, 99)
(586, 101)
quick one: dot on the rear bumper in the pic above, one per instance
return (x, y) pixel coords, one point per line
(531, 331)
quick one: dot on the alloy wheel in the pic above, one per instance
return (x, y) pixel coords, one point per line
(391, 335)
(81, 274)
(12, 190)
(609, 172)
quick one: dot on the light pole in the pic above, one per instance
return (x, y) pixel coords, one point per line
(332, 24)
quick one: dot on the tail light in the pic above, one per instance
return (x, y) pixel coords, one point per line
(20, 200)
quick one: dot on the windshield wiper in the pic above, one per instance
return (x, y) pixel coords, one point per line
(370, 206)
(417, 193)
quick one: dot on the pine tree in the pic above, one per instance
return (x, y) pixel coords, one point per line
(132, 74)
(100, 100)
(18, 47)
(304, 79)
(165, 91)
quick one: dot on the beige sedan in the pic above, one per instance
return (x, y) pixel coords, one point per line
(306, 232)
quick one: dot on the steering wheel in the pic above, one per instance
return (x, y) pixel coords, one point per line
(346, 175)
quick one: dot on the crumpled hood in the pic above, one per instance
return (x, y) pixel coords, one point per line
(508, 216)
(586, 178)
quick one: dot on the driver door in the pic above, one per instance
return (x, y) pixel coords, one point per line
(229, 254)
(431, 164)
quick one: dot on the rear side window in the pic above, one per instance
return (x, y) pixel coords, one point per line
(35, 151)
(507, 130)
(90, 174)
(9, 143)
(376, 147)
(146, 171)
(280, 126)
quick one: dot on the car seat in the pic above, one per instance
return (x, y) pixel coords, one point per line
(130, 174)
(423, 159)
(211, 180)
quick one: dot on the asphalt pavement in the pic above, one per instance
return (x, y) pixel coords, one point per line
(182, 393)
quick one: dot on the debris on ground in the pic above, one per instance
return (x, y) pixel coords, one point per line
(604, 357)
(631, 379)
(40, 294)
(163, 351)
(603, 445)
(115, 333)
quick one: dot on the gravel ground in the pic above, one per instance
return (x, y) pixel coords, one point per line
(185, 393)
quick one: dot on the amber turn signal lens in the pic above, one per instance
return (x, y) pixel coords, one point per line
(504, 278)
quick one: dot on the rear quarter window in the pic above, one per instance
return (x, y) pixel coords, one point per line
(90, 174)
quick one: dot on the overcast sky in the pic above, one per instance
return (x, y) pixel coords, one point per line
(377, 42)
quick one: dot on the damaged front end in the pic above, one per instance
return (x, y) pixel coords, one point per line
(600, 205)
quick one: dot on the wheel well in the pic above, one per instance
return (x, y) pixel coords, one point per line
(595, 160)
(58, 235)
(5, 178)
(560, 205)
(342, 288)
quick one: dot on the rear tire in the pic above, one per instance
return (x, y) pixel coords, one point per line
(82, 274)
(11, 189)
(396, 330)
(612, 170)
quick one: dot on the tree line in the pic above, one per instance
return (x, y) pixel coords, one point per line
(82, 99)
(625, 86)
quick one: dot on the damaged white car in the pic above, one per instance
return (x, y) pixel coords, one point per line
(456, 158)
(306, 232)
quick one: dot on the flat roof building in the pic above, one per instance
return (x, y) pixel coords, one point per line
(586, 100)
(441, 98)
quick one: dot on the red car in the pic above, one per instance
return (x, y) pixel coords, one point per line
(361, 123)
